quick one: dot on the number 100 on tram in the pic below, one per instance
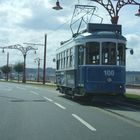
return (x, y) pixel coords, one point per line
(92, 62)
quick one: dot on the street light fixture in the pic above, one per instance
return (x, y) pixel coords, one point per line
(57, 6)
(113, 11)
(138, 14)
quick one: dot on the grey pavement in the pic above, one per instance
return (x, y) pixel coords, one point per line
(36, 113)
(133, 91)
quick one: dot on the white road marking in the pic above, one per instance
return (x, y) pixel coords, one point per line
(60, 105)
(48, 99)
(6, 89)
(84, 122)
(34, 92)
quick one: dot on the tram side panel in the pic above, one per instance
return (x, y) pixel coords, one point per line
(65, 80)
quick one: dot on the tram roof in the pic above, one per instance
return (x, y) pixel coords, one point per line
(98, 31)
(100, 34)
(94, 30)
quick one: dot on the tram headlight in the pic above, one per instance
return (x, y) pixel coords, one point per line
(109, 80)
(121, 86)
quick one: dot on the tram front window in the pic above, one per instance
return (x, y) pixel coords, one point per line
(121, 54)
(92, 53)
(108, 53)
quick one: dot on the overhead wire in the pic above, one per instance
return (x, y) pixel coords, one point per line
(60, 26)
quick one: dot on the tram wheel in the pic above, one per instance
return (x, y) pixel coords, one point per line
(73, 95)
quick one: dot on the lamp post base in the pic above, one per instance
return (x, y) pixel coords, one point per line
(114, 20)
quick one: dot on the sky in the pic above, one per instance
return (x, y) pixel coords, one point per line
(27, 21)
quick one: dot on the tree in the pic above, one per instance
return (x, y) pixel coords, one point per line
(19, 67)
(6, 70)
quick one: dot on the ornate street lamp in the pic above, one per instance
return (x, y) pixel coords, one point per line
(113, 11)
(57, 6)
(24, 51)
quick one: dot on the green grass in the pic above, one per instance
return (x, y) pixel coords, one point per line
(132, 96)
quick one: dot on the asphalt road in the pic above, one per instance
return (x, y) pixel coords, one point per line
(37, 113)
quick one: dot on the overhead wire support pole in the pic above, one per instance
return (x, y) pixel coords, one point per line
(7, 65)
(44, 66)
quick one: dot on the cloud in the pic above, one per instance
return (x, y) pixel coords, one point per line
(12, 13)
(28, 21)
(133, 61)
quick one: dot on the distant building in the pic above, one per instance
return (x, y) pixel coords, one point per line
(31, 74)
(132, 77)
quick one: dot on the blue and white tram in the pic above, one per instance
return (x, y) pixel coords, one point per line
(92, 62)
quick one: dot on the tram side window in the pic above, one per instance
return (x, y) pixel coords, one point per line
(71, 58)
(64, 59)
(61, 61)
(80, 55)
(58, 62)
(109, 53)
(63, 55)
(121, 54)
(67, 58)
(93, 53)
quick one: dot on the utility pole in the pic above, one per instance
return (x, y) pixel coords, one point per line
(44, 67)
(7, 65)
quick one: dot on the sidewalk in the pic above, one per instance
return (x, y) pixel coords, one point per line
(133, 91)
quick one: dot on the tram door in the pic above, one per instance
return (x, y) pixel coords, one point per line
(80, 64)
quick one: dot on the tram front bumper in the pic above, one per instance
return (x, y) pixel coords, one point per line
(105, 88)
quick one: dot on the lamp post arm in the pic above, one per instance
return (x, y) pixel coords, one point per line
(108, 6)
(18, 47)
(122, 3)
(29, 48)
